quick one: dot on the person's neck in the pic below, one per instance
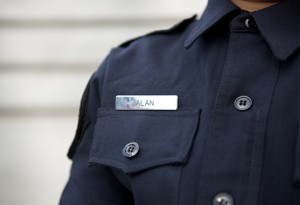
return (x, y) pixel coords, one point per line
(254, 5)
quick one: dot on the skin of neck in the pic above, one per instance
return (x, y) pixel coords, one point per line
(254, 5)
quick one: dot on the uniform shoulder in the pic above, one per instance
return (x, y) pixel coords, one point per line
(179, 27)
(156, 46)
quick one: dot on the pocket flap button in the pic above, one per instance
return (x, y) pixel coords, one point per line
(131, 149)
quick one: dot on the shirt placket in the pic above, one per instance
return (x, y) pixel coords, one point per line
(233, 155)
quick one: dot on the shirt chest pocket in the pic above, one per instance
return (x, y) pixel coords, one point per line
(133, 141)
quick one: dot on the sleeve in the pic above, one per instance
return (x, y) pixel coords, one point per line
(297, 161)
(82, 122)
(91, 185)
(297, 168)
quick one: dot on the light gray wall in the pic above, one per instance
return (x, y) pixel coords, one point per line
(48, 50)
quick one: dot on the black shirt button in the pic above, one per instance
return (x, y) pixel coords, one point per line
(131, 149)
(243, 103)
(223, 199)
(250, 24)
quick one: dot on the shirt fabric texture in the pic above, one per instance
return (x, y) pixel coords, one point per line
(206, 146)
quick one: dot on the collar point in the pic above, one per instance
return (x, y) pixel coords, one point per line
(193, 36)
(187, 44)
(284, 55)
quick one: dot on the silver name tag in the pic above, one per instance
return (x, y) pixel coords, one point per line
(146, 102)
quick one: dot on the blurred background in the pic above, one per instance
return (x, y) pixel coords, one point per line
(48, 51)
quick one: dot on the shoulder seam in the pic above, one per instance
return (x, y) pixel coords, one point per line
(177, 27)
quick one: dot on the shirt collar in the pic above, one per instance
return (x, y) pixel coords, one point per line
(278, 24)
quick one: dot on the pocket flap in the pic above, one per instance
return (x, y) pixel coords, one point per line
(163, 137)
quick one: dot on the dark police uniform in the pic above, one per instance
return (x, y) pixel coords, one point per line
(234, 138)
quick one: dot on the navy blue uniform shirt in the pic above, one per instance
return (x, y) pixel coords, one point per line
(234, 139)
